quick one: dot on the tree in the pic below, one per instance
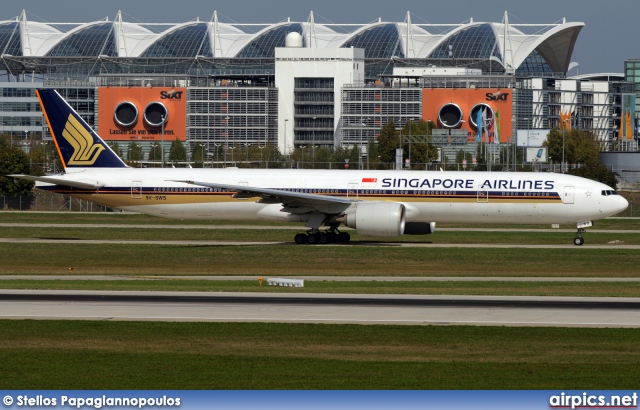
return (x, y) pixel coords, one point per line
(13, 161)
(198, 154)
(579, 147)
(155, 154)
(323, 157)
(462, 155)
(41, 159)
(582, 149)
(339, 156)
(597, 172)
(177, 152)
(134, 152)
(388, 142)
(115, 147)
(354, 158)
(372, 155)
(421, 152)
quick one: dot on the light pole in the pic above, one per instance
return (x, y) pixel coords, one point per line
(285, 139)
(162, 148)
(261, 148)
(562, 126)
(217, 151)
(302, 147)
(410, 131)
(226, 140)
(313, 125)
(232, 149)
(313, 151)
(44, 154)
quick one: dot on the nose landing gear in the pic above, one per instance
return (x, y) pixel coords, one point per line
(579, 240)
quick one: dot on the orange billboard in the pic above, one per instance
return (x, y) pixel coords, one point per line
(485, 113)
(142, 113)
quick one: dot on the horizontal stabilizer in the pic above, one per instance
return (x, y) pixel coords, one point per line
(83, 184)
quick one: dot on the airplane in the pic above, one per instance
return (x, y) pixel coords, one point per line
(373, 202)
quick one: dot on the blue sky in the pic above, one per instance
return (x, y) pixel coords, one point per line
(609, 37)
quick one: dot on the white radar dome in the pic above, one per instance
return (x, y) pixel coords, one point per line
(294, 40)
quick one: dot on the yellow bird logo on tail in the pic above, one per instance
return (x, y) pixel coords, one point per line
(85, 152)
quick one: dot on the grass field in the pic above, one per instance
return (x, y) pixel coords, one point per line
(115, 259)
(153, 355)
(149, 355)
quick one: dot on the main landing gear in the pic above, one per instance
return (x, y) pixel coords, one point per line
(315, 236)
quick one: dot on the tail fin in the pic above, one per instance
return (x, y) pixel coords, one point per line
(78, 145)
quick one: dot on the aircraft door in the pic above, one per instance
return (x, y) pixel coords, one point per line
(352, 190)
(483, 195)
(136, 189)
(569, 193)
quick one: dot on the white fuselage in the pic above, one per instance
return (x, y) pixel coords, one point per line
(428, 196)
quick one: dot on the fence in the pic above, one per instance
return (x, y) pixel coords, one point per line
(48, 202)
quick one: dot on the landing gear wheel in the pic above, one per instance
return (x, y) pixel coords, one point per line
(344, 237)
(332, 237)
(312, 239)
(300, 238)
(579, 240)
(322, 238)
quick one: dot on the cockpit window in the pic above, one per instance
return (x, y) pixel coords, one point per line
(608, 192)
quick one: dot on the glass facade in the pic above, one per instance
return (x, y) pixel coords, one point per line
(187, 41)
(10, 39)
(534, 63)
(381, 41)
(314, 111)
(232, 116)
(472, 42)
(91, 41)
(264, 46)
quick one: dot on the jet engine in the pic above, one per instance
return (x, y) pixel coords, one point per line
(377, 219)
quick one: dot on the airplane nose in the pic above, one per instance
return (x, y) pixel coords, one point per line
(622, 203)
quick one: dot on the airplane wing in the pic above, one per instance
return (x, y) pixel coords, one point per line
(86, 184)
(320, 202)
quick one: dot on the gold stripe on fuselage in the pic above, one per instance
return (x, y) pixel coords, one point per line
(157, 198)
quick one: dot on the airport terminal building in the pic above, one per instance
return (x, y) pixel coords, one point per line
(294, 84)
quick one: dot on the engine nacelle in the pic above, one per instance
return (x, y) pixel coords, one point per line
(419, 228)
(377, 219)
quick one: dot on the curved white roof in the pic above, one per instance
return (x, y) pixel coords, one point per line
(38, 38)
(503, 41)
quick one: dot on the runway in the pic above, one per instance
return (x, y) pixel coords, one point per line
(314, 308)
(354, 243)
(321, 308)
